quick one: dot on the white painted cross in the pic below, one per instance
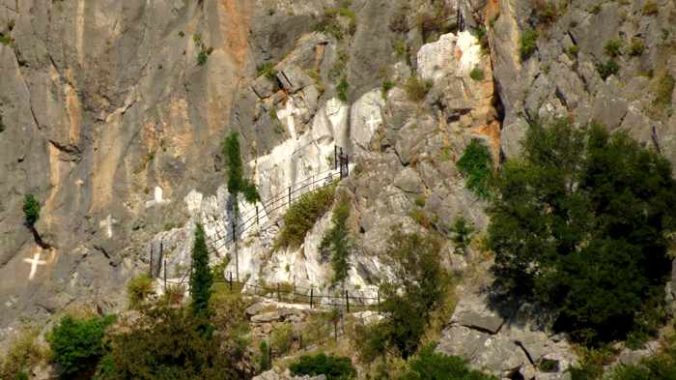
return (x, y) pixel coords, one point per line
(158, 198)
(107, 223)
(34, 262)
(373, 122)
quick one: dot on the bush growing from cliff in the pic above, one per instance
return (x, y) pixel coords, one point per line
(303, 214)
(333, 367)
(78, 344)
(476, 165)
(235, 170)
(417, 89)
(31, 210)
(201, 278)
(580, 225)
(607, 69)
(408, 304)
(431, 365)
(139, 289)
(337, 241)
(528, 44)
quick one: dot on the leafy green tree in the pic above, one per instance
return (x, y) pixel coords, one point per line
(333, 367)
(78, 344)
(476, 165)
(236, 182)
(431, 365)
(201, 278)
(337, 241)
(581, 225)
(166, 343)
(408, 304)
(31, 210)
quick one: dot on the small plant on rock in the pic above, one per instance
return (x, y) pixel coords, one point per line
(477, 74)
(416, 88)
(636, 47)
(139, 289)
(528, 44)
(613, 48)
(477, 166)
(333, 367)
(607, 69)
(31, 210)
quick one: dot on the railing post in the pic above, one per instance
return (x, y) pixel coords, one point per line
(230, 280)
(256, 215)
(347, 301)
(335, 157)
(279, 295)
(289, 196)
(347, 165)
(165, 273)
(311, 295)
(378, 304)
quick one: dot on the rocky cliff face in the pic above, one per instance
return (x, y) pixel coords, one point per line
(113, 113)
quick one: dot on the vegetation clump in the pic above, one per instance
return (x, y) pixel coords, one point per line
(31, 210)
(431, 365)
(333, 367)
(528, 44)
(201, 278)
(337, 241)
(650, 8)
(342, 89)
(636, 47)
(607, 69)
(613, 48)
(477, 74)
(24, 352)
(416, 88)
(78, 344)
(303, 214)
(476, 165)
(664, 89)
(408, 304)
(580, 226)
(139, 289)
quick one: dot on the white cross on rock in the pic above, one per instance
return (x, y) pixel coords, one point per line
(107, 223)
(158, 198)
(34, 262)
(373, 122)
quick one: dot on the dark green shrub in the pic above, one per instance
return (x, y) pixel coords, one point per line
(235, 171)
(431, 365)
(5, 39)
(407, 305)
(477, 74)
(417, 89)
(202, 57)
(201, 278)
(607, 69)
(476, 165)
(528, 44)
(461, 234)
(31, 210)
(139, 289)
(264, 359)
(77, 345)
(333, 367)
(337, 241)
(613, 48)
(387, 86)
(342, 89)
(303, 214)
(591, 212)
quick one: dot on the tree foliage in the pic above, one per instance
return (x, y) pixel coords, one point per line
(236, 182)
(431, 365)
(201, 278)
(333, 367)
(31, 209)
(78, 344)
(476, 165)
(337, 241)
(167, 343)
(581, 226)
(408, 304)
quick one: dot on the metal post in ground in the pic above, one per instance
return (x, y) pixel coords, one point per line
(289, 196)
(347, 301)
(335, 157)
(165, 273)
(311, 295)
(256, 215)
(279, 295)
(230, 280)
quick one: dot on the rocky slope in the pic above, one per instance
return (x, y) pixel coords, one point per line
(112, 113)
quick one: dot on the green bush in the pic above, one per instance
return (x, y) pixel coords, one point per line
(337, 241)
(476, 165)
(613, 48)
(139, 289)
(591, 211)
(78, 344)
(331, 24)
(342, 89)
(333, 367)
(169, 343)
(201, 278)
(636, 47)
(303, 214)
(31, 210)
(650, 8)
(264, 359)
(461, 234)
(607, 69)
(528, 44)
(416, 88)
(573, 50)
(387, 86)
(477, 74)
(408, 304)
(281, 338)
(431, 365)
(664, 90)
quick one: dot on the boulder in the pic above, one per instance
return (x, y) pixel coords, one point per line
(473, 311)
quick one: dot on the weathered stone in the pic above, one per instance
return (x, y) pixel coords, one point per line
(473, 311)
(409, 181)
(293, 79)
(271, 316)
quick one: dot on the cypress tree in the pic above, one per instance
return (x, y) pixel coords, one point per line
(200, 277)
